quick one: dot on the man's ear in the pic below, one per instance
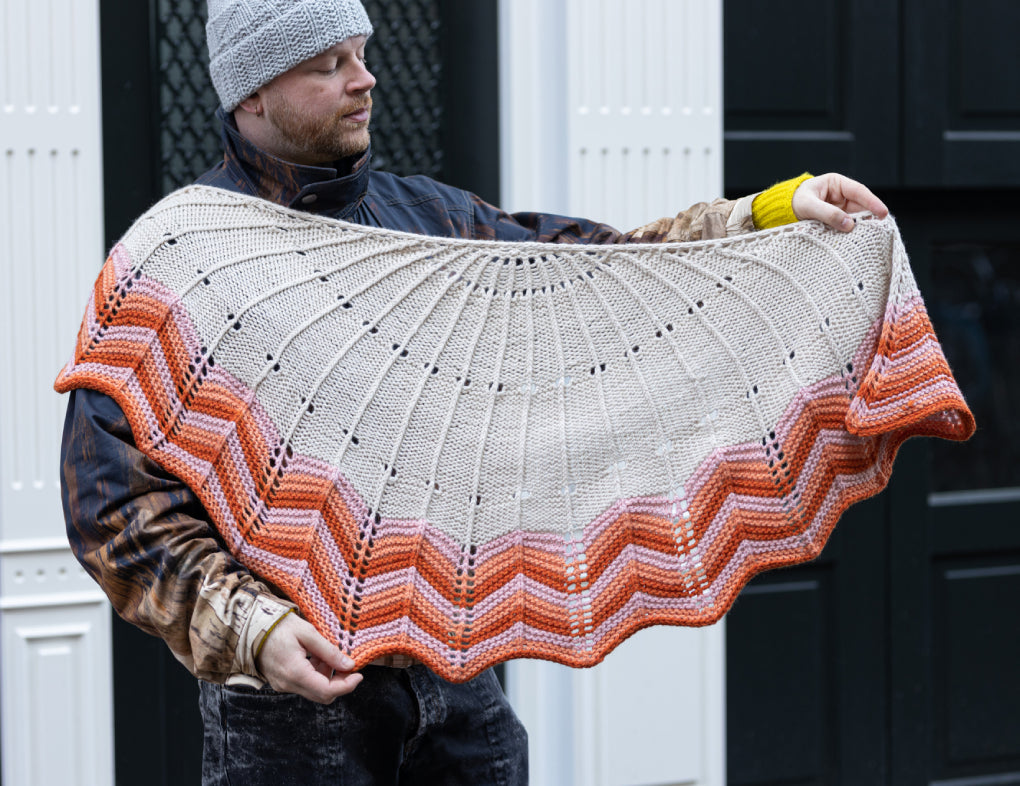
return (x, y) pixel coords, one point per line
(252, 104)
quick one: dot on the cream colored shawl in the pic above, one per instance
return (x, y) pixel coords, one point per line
(473, 451)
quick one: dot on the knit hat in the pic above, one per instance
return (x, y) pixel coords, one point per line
(253, 41)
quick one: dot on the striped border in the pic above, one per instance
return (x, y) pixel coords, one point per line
(389, 585)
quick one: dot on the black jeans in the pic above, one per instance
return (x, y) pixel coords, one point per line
(399, 726)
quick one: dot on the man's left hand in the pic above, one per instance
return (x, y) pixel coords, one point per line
(830, 198)
(296, 658)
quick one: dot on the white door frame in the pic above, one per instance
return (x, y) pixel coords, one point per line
(56, 692)
(612, 110)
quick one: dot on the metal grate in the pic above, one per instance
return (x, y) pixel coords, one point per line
(404, 55)
(188, 139)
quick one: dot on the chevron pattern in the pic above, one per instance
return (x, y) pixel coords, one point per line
(378, 584)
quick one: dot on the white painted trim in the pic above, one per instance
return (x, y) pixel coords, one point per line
(46, 601)
(586, 90)
(533, 126)
(31, 546)
(56, 696)
(56, 688)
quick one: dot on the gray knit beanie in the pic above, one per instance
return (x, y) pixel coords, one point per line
(253, 41)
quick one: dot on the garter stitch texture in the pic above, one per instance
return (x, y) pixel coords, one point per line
(473, 451)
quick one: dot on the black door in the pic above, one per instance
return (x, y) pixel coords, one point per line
(892, 659)
(436, 99)
(955, 517)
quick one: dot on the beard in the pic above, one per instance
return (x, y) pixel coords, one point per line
(318, 139)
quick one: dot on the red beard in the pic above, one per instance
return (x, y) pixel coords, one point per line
(321, 139)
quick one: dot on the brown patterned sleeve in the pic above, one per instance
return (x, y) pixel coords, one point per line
(702, 221)
(142, 535)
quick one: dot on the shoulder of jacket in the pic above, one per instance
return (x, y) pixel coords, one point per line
(387, 185)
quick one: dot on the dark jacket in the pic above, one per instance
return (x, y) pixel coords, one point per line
(141, 532)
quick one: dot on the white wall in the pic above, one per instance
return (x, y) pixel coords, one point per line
(55, 687)
(612, 110)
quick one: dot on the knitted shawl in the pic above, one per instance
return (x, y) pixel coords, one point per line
(473, 451)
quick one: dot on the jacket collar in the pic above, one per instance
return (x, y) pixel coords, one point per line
(312, 188)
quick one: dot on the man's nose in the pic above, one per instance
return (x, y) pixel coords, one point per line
(363, 81)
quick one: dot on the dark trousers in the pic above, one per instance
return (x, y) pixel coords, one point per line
(399, 726)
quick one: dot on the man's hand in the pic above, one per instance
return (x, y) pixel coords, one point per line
(828, 198)
(297, 659)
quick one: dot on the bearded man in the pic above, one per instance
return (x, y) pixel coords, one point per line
(280, 703)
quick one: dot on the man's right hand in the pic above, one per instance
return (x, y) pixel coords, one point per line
(297, 659)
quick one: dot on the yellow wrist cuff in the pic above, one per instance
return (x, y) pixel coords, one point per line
(774, 207)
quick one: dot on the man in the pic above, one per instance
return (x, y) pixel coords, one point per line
(279, 702)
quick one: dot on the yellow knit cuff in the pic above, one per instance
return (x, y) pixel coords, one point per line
(774, 208)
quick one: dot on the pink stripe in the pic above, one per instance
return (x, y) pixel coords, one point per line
(310, 594)
(627, 566)
(112, 372)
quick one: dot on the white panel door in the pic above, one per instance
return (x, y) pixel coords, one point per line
(644, 107)
(55, 634)
(612, 110)
(56, 674)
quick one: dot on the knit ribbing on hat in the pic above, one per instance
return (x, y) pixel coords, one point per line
(253, 41)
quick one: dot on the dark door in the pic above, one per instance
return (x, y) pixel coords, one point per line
(436, 63)
(962, 111)
(955, 517)
(810, 85)
(892, 659)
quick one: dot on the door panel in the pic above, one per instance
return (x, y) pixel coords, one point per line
(955, 549)
(811, 85)
(806, 665)
(781, 711)
(962, 102)
(903, 669)
(976, 650)
(975, 287)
